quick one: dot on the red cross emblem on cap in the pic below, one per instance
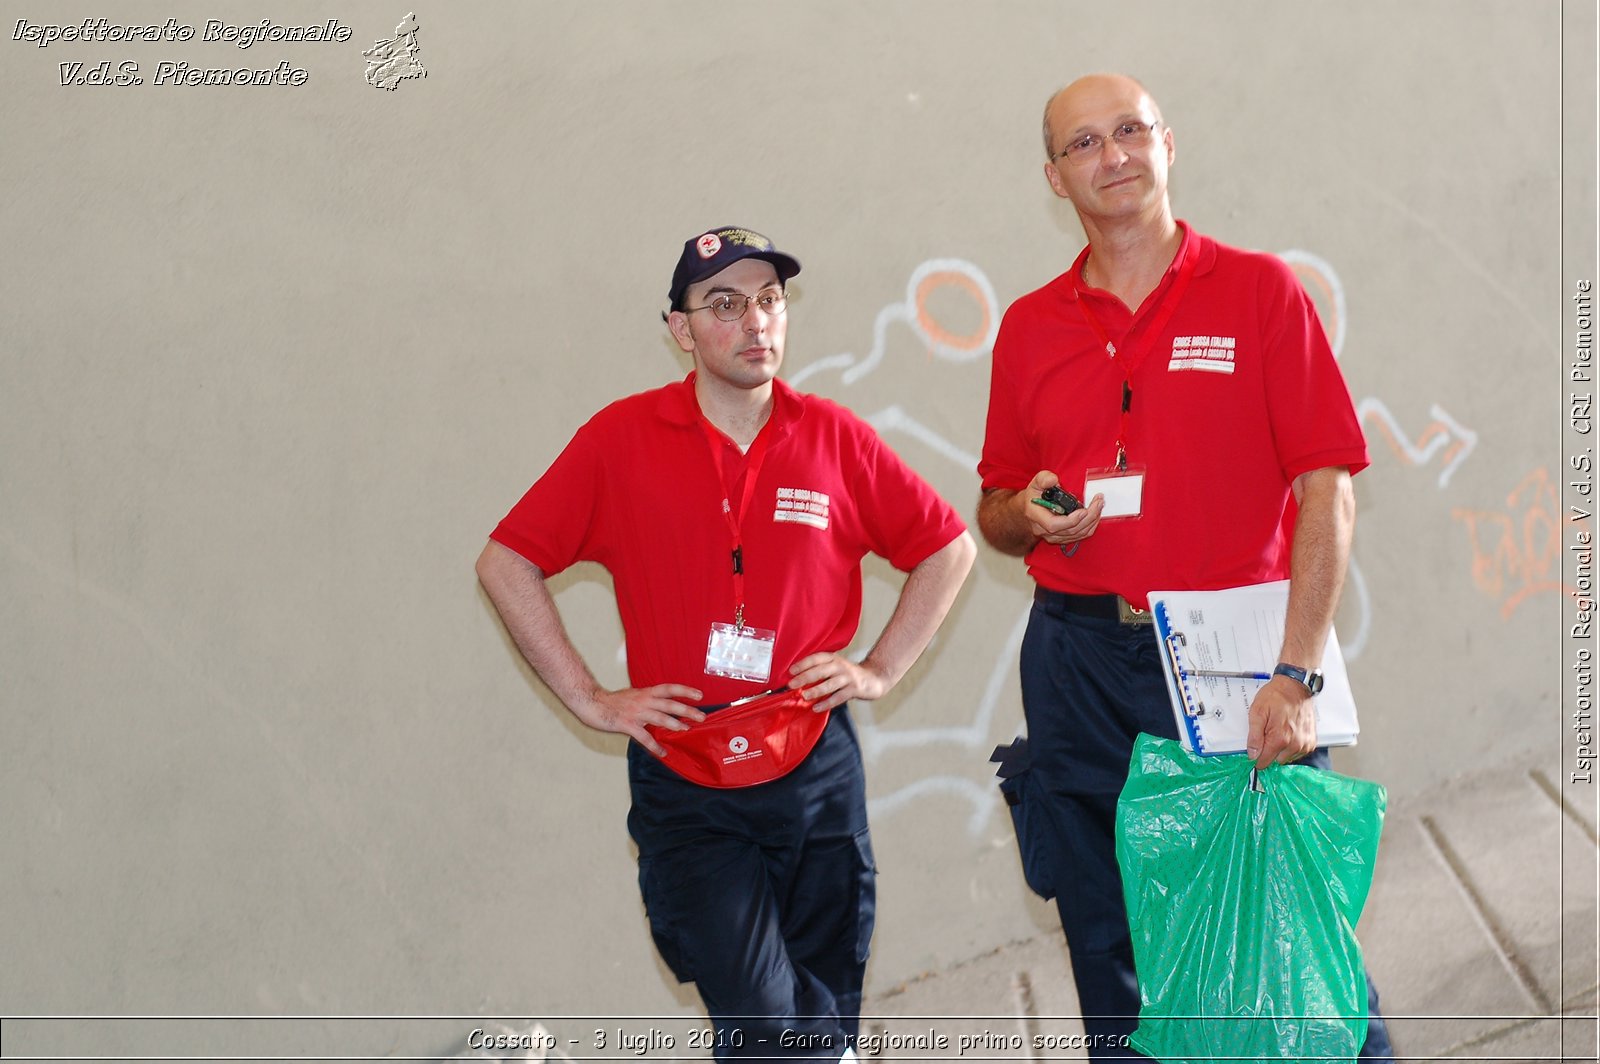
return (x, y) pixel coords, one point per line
(708, 245)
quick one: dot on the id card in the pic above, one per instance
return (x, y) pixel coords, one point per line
(743, 653)
(1123, 490)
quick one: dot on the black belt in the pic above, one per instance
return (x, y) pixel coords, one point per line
(1103, 607)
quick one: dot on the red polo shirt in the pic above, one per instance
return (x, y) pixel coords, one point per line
(1235, 393)
(637, 491)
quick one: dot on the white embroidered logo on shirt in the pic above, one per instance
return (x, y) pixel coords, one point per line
(1214, 354)
(799, 506)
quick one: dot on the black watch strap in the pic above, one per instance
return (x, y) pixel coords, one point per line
(1310, 679)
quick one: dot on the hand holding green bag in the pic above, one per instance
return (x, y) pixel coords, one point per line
(1243, 905)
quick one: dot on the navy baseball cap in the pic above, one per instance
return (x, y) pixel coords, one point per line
(716, 249)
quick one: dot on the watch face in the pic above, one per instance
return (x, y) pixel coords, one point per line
(1311, 681)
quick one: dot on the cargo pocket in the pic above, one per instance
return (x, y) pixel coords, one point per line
(866, 894)
(1034, 844)
(663, 930)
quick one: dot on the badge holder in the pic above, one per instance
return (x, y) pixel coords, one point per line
(1123, 490)
(740, 651)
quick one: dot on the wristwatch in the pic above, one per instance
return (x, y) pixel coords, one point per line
(1310, 679)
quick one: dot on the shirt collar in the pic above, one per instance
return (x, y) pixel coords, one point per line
(1194, 245)
(677, 404)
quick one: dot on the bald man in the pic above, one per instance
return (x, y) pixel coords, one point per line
(1185, 392)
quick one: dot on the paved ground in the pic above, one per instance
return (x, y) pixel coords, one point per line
(1480, 934)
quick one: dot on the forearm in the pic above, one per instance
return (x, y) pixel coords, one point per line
(930, 590)
(1317, 562)
(1002, 524)
(1283, 723)
(517, 588)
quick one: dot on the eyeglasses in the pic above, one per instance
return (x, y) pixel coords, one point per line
(731, 306)
(1128, 135)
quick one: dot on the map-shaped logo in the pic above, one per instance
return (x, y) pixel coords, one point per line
(393, 61)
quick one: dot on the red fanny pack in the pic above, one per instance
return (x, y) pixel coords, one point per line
(754, 740)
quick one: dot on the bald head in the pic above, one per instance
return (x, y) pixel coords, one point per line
(1093, 91)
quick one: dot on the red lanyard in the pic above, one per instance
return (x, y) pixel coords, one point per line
(756, 454)
(1132, 361)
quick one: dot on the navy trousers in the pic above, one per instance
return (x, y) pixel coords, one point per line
(763, 896)
(1089, 687)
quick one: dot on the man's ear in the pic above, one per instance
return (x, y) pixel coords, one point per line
(678, 323)
(1052, 175)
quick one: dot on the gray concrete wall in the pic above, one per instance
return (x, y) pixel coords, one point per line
(273, 361)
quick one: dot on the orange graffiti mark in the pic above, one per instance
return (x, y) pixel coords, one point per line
(938, 333)
(1420, 452)
(1517, 553)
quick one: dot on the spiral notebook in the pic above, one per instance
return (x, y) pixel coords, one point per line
(1237, 632)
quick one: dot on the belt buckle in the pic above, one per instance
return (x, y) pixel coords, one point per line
(1131, 614)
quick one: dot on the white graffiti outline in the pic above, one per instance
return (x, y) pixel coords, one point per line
(1353, 647)
(875, 739)
(906, 311)
(1465, 440)
(984, 797)
(1372, 405)
(895, 419)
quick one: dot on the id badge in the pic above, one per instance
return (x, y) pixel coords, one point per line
(743, 653)
(1123, 490)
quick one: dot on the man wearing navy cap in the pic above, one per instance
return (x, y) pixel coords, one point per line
(741, 574)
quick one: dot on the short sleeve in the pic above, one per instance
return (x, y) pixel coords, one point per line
(1314, 422)
(904, 519)
(557, 522)
(1007, 460)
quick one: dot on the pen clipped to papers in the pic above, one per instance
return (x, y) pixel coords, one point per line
(1219, 647)
(1262, 676)
(1192, 706)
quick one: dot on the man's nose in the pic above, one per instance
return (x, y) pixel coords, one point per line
(1119, 154)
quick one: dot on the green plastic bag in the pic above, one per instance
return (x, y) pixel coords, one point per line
(1243, 905)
